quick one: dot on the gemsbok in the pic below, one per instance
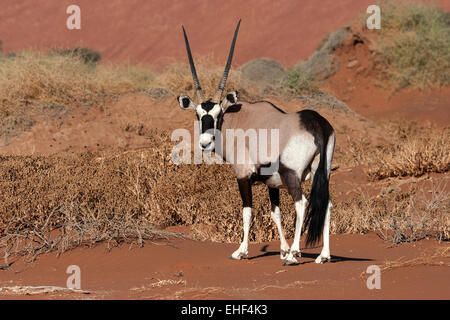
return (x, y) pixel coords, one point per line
(303, 150)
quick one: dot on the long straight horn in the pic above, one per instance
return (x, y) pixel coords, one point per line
(198, 89)
(222, 83)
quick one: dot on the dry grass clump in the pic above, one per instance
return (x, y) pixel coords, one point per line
(360, 214)
(34, 84)
(58, 202)
(63, 79)
(407, 150)
(294, 284)
(426, 259)
(72, 76)
(34, 290)
(75, 226)
(398, 216)
(415, 43)
(323, 63)
(353, 151)
(416, 215)
(168, 282)
(414, 151)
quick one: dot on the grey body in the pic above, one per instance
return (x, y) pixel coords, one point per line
(296, 147)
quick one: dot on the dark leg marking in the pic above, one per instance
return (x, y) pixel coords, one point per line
(245, 189)
(274, 195)
(292, 182)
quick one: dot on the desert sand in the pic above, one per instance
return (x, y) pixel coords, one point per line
(138, 31)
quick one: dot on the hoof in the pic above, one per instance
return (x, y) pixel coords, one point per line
(291, 262)
(296, 254)
(240, 256)
(284, 255)
(322, 260)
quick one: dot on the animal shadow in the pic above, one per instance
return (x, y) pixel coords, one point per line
(312, 256)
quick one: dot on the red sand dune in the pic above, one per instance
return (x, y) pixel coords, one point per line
(150, 31)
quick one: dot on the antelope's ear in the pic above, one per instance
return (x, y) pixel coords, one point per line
(186, 103)
(230, 99)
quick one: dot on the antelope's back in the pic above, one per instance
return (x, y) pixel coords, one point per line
(267, 121)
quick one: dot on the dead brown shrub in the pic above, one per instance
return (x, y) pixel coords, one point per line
(398, 216)
(426, 259)
(354, 151)
(64, 79)
(360, 214)
(62, 201)
(407, 149)
(414, 151)
(32, 81)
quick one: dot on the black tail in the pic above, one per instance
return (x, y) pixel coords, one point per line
(318, 200)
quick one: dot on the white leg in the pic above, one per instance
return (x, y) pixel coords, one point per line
(325, 254)
(276, 217)
(242, 252)
(300, 207)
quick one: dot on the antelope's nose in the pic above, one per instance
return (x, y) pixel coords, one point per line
(206, 139)
(205, 146)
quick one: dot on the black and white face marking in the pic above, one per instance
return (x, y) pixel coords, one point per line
(207, 113)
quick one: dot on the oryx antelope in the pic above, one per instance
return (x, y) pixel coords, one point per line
(305, 151)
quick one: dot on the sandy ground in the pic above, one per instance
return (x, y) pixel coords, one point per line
(186, 269)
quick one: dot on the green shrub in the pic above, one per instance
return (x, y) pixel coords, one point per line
(415, 44)
(298, 80)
